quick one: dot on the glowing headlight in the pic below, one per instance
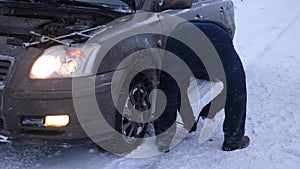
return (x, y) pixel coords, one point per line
(57, 62)
(45, 66)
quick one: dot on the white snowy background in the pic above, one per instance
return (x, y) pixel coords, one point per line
(267, 40)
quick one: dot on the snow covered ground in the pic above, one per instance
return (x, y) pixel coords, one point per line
(267, 41)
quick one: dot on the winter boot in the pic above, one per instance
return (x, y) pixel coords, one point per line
(234, 146)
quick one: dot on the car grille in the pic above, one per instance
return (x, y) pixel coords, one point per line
(6, 63)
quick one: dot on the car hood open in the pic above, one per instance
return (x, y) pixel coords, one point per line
(130, 3)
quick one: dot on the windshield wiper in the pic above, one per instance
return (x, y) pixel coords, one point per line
(44, 38)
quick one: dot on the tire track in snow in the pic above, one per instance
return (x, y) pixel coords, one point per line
(279, 36)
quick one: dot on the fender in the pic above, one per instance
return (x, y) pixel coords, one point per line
(124, 48)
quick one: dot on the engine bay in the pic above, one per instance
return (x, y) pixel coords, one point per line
(17, 20)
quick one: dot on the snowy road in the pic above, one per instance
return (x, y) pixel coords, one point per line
(267, 40)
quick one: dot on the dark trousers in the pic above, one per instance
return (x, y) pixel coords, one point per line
(234, 94)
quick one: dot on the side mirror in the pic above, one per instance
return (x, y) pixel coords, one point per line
(175, 4)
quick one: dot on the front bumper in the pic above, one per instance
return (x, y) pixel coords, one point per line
(22, 97)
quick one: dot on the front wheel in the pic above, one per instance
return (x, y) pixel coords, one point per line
(132, 121)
